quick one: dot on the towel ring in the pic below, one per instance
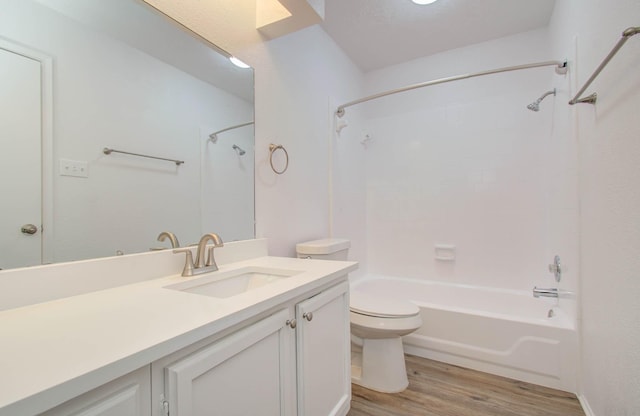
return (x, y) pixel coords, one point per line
(272, 149)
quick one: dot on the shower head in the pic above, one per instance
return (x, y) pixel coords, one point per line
(535, 106)
(238, 149)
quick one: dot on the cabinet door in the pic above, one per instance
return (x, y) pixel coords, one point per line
(323, 352)
(242, 374)
(129, 395)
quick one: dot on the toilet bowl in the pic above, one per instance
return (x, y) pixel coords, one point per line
(377, 327)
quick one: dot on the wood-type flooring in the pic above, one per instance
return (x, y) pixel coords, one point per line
(438, 389)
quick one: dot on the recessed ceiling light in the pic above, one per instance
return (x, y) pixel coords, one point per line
(423, 2)
(237, 62)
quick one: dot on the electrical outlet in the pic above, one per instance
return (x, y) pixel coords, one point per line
(74, 168)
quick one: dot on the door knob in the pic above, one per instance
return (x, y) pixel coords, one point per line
(291, 323)
(29, 229)
(308, 316)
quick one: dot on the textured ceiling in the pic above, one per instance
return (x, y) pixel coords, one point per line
(379, 33)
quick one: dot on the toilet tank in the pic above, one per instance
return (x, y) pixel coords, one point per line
(326, 249)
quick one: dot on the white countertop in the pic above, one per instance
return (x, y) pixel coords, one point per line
(56, 350)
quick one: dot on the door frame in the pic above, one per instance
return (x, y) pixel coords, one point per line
(46, 146)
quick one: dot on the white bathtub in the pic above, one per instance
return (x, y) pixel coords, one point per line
(503, 332)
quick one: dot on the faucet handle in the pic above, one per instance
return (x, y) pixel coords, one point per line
(557, 268)
(188, 264)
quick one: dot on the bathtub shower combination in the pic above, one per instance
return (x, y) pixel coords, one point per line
(504, 332)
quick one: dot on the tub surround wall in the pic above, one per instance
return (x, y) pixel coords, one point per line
(463, 164)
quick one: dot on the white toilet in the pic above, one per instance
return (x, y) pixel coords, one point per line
(377, 325)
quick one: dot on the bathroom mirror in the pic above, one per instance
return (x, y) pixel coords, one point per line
(82, 76)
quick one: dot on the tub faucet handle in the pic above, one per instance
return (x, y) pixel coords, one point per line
(557, 268)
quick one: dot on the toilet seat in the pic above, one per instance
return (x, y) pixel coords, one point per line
(377, 307)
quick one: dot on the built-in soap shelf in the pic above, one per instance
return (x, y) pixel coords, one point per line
(445, 252)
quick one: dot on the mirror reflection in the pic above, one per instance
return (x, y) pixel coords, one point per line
(77, 77)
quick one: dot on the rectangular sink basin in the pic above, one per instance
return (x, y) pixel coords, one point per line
(233, 282)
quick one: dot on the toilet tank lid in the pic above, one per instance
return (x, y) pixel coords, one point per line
(366, 304)
(325, 246)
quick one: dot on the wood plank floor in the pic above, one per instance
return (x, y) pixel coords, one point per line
(438, 389)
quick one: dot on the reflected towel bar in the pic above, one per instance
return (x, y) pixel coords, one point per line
(591, 99)
(108, 151)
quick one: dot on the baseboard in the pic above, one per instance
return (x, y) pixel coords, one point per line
(585, 405)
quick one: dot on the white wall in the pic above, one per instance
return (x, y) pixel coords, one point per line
(465, 164)
(609, 156)
(295, 84)
(107, 94)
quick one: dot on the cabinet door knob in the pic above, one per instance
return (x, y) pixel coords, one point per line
(292, 323)
(308, 316)
(29, 229)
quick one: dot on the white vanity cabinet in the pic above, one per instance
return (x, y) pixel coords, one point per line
(125, 396)
(295, 361)
(323, 353)
(245, 373)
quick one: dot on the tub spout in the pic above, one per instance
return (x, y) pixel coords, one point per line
(547, 293)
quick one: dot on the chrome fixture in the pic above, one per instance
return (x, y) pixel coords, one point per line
(200, 266)
(202, 245)
(239, 150)
(171, 236)
(214, 136)
(556, 268)
(108, 151)
(272, 149)
(535, 106)
(591, 99)
(29, 229)
(561, 68)
(546, 293)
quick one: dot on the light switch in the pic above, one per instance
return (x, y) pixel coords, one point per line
(74, 168)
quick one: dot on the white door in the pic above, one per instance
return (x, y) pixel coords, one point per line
(20, 161)
(323, 353)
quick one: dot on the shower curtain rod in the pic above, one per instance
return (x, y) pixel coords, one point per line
(561, 68)
(214, 135)
(591, 99)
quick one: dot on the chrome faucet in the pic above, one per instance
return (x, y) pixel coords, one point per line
(547, 293)
(172, 238)
(200, 266)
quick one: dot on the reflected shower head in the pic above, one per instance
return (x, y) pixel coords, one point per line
(535, 106)
(238, 149)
